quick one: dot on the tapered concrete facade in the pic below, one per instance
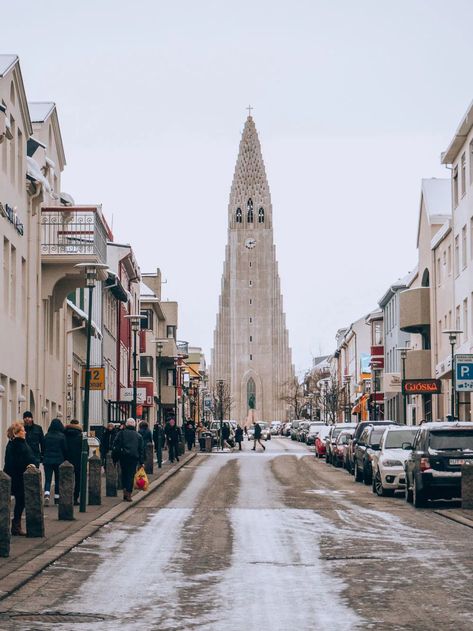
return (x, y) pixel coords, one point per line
(251, 350)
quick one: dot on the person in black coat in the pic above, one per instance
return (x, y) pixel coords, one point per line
(257, 437)
(159, 440)
(239, 436)
(106, 442)
(189, 434)
(34, 436)
(172, 437)
(128, 449)
(18, 456)
(55, 452)
(145, 433)
(73, 435)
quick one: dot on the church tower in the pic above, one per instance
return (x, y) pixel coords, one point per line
(251, 349)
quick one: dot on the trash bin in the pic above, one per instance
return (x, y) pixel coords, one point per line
(208, 444)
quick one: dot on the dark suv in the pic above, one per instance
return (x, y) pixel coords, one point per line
(359, 430)
(433, 468)
(366, 444)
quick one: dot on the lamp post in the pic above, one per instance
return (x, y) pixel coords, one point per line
(404, 350)
(452, 338)
(159, 348)
(374, 368)
(347, 383)
(135, 321)
(90, 270)
(220, 384)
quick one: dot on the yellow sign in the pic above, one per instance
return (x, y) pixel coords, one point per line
(97, 378)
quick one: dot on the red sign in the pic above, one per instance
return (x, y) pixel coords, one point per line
(421, 386)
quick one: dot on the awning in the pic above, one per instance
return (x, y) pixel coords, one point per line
(83, 316)
(113, 283)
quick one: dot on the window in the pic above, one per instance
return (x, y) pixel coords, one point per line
(251, 393)
(449, 260)
(251, 358)
(251, 302)
(251, 320)
(13, 281)
(12, 150)
(463, 174)
(449, 318)
(6, 273)
(455, 185)
(471, 162)
(238, 216)
(250, 210)
(465, 319)
(457, 256)
(261, 215)
(21, 172)
(250, 263)
(171, 331)
(471, 238)
(23, 289)
(457, 318)
(464, 247)
(146, 319)
(439, 272)
(171, 377)
(251, 283)
(251, 338)
(146, 366)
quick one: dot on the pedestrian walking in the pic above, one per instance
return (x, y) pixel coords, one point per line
(55, 452)
(145, 433)
(128, 450)
(172, 438)
(159, 439)
(18, 456)
(34, 437)
(226, 436)
(189, 435)
(106, 442)
(257, 436)
(239, 436)
(73, 434)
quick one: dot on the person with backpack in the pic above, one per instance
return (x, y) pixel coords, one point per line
(257, 436)
(128, 450)
(55, 452)
(73, 434)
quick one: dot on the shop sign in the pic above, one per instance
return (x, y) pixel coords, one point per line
(392, 382)
(126, 394)
(9, 213)
(421, 386)
(97, 378)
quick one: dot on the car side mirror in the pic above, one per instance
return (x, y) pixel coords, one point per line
(407, 446)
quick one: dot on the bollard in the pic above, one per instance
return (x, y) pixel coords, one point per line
(5, 510)
(149, 458)
(33, 503)
(110, 477)
(95, 481)
(119, 476)
(65, 509)
(467, 485)
(208, 444)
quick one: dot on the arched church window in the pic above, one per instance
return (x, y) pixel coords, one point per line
(261, 215)
(250, 210)
(251, 393)
(238, 215)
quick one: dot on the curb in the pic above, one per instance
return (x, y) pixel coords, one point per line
(459, 519)
(20, 576)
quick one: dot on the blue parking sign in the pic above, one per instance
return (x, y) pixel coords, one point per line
(464, 373)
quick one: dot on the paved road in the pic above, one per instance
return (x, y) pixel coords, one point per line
(250, 541)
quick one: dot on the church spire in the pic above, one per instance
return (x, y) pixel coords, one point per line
(250, 189)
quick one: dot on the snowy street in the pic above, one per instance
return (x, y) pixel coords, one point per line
(258, 541)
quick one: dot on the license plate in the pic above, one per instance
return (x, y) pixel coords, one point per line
(457, 461)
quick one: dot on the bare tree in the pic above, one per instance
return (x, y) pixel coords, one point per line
(327, 394)
(222, 401)
(293, 395)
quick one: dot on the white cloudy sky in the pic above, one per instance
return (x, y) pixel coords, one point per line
(354, 101)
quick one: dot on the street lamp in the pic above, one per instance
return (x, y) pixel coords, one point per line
(220, 385)
(374, 367)
(159, 348)
(135, 323)
(91, 270)
(404, 350)
(452, 338)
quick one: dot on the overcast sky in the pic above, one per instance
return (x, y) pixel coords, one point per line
(354, 101)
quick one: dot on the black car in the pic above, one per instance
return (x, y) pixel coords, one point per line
(359, 430)
(433, 468)
(366, 444)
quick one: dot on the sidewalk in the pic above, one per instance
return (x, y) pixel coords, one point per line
(29, 556)
(460, 515)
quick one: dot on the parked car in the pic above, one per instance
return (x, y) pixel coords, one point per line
(275, 427)
(320, 448)
(433, 467)
(294, 429)
(332, 437)
(340, 447)
(302, 431)
(286, 429)
(388, 462)
(359, 429)
(313, 431)
(367, 444)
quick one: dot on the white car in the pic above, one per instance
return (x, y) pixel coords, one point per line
(275, 427)
(388, 462)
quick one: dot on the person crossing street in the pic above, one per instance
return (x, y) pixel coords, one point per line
(257, 436)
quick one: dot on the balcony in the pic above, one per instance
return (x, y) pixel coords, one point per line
(414, 307)
(73, 234)
(418, 364)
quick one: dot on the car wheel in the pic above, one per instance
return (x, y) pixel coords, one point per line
(418, 496)
(378, 485)
(357, 473)
(408, 492)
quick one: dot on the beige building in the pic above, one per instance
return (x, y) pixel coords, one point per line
(251, 350)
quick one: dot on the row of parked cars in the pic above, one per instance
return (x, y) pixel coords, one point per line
(424, 462)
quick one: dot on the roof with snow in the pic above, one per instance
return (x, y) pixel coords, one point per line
(6, 62)
(39, 112)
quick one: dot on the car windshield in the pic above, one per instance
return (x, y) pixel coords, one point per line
(324, 431)
(336, 432)
(452, 439)
(394, 440)
(376, 435)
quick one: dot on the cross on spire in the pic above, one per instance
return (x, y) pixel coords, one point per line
(249, 108)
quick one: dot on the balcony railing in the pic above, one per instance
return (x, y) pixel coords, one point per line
(69, 231)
